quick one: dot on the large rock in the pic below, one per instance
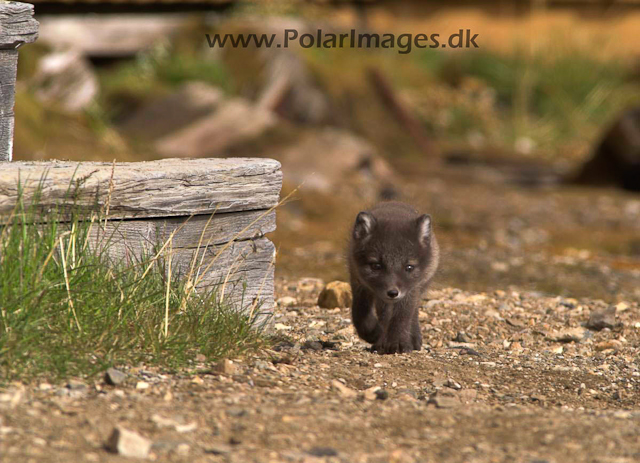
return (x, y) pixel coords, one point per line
(235, 121)
(277, 78)
(329, 160)
(290, 91)
(616, 160)
(66, 79)
(171, 113)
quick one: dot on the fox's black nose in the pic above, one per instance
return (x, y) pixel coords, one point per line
(392, 293)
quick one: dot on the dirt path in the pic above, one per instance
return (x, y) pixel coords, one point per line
(492, 384)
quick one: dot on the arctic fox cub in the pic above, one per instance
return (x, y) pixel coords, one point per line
(393, 255)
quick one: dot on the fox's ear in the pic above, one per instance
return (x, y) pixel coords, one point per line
(424, 229)
(364, 226)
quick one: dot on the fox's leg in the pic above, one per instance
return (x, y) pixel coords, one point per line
(363, 316)
(416, 333)
(398, 335)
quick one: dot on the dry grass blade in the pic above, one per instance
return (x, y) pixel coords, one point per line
(166, 305)
(204, 271)
(66, 283)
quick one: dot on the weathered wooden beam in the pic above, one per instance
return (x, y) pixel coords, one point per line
(209, 215)
(17, 27)
(166, 188)
(187, 232)
(241, 272)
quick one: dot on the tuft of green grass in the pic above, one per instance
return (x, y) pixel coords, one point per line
(155, 73)
(68, 309)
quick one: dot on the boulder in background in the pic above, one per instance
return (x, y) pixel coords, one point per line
(66, 79)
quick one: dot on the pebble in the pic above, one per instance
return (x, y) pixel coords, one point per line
(441, 400)
(128, 443)
(177, 424)
(613, 345)
(567, 335)
(323, 452)
(226, 367)
(142, 385)
(309, 285)
(312, 345)
(452, 384)
(236, 412)
(470, 351)
(622, 307)
(601, 319)
(74, 385)
(335, 294)
(220, 449)
(39, 441)
(287, 301)
(282, 327)
(371, 393)
(344, 391)
(114, 377)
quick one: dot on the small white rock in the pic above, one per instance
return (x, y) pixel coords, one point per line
(287, 301)
(282, 327)
(622, 307)
(128, 443)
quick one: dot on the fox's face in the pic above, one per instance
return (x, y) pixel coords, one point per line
(392, 257)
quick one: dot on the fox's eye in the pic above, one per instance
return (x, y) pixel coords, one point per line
(375, 266)
(409, 268)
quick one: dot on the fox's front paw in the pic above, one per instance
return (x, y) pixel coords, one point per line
(394, 346)
(416, 340)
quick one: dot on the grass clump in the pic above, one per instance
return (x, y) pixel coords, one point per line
(158, 72)
(552, 98)
(68, 309)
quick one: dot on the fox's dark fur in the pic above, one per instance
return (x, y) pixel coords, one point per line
(393, 255)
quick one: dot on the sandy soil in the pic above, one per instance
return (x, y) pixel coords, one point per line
(503, 376)
(509, 371)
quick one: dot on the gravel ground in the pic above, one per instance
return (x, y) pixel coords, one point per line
(503, 376)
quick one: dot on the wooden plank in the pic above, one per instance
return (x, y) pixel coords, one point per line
(6, 138)
(188, 234)
(242, 271)
(17, 25)
(166, 188)
(8, 69)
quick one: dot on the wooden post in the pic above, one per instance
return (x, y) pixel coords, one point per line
(17, 27)
(215, 211)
